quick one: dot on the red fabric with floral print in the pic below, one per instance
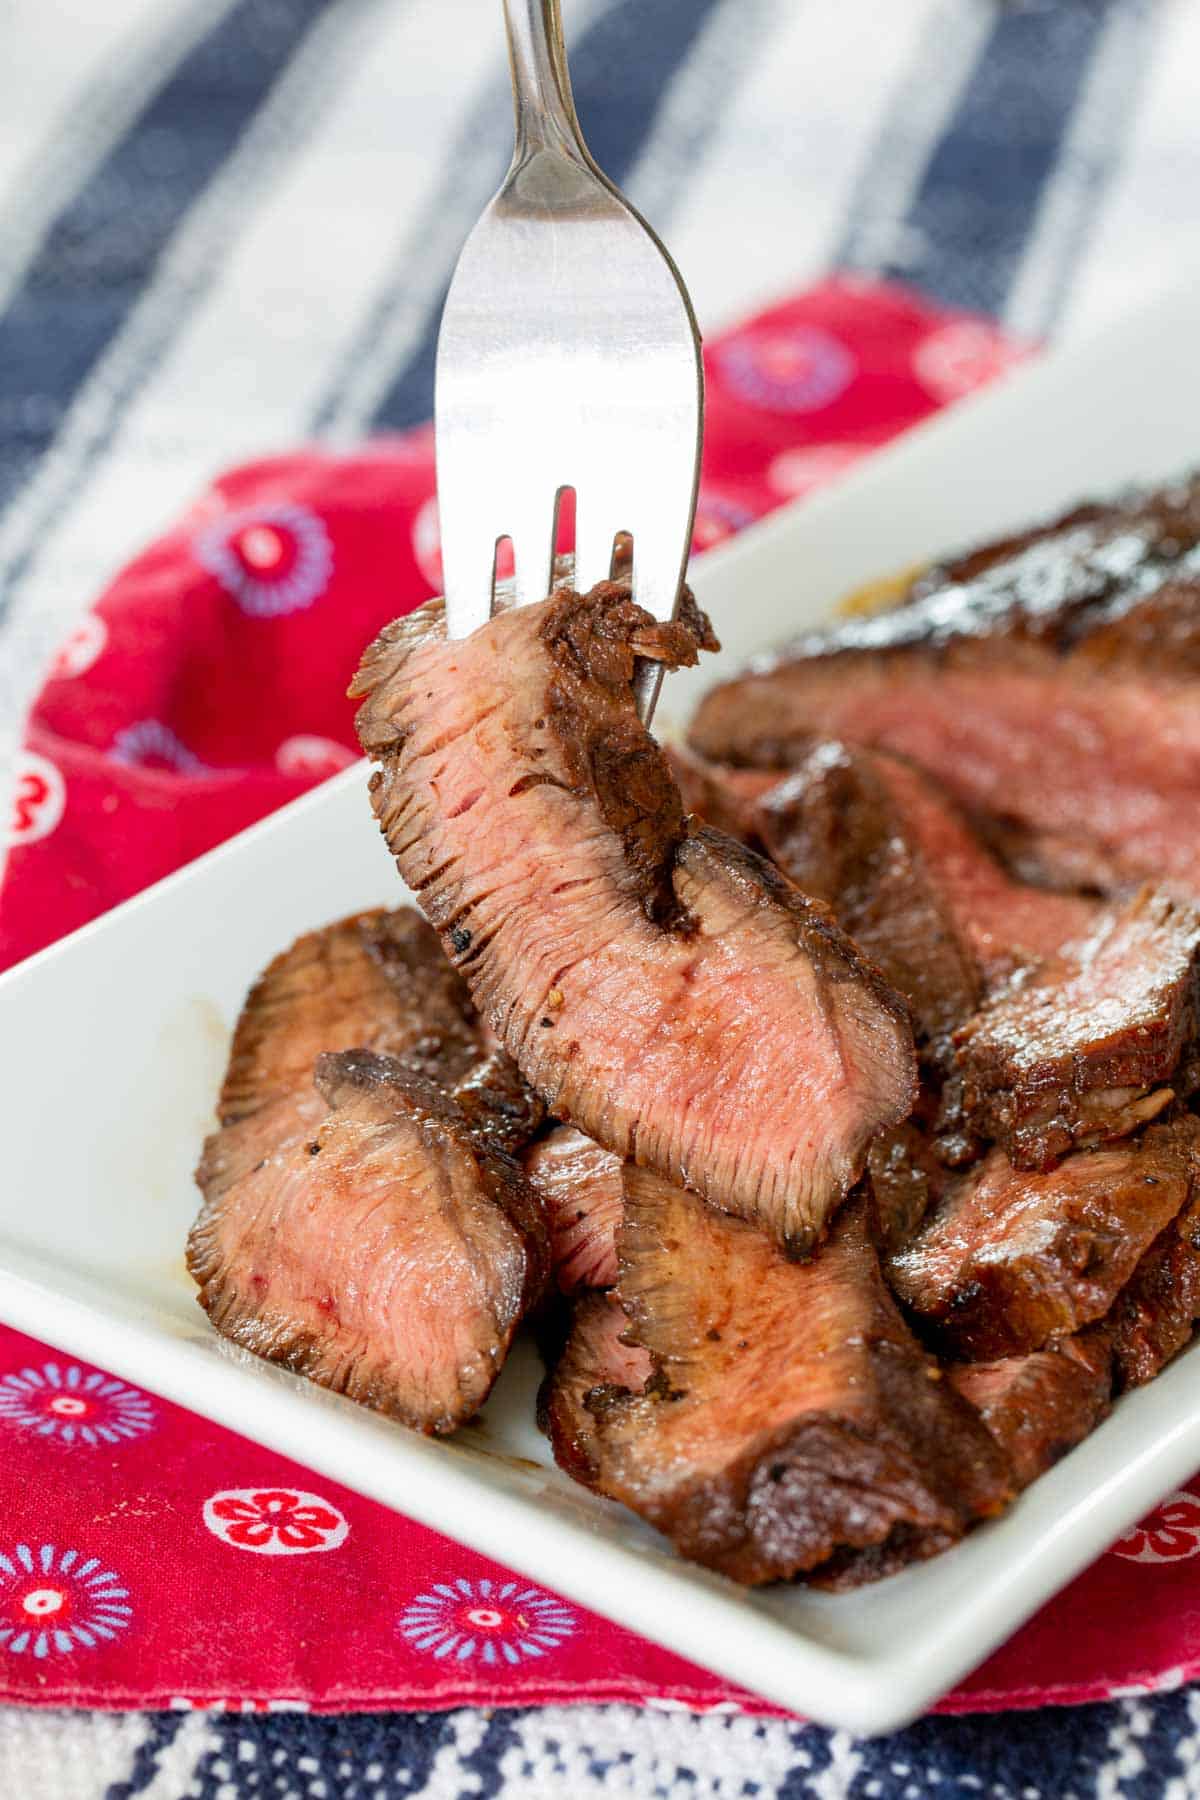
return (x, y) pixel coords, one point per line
(150, 1557)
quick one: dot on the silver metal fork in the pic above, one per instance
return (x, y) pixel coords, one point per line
(568, 357)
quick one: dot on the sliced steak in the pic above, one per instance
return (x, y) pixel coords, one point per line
(1080, 1051)
(835, 830)
(1011, 1259)
(596, 1370)
(1037, 1407)
(905, 1177)
(910, 881)
(660, 986)
(1155, 1315)
(579, 1187)
(1051, 681)
(385, 1252)
(785, 1412)
(378, 981)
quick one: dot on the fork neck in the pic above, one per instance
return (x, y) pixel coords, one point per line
(542, 102)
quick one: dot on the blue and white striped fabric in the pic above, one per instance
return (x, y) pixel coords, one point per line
(226, 225)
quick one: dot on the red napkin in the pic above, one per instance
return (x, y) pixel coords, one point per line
(148, 1557)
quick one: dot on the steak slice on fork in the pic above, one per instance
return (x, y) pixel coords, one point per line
(659, 985)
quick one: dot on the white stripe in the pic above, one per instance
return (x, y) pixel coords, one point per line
(800, 142)
(51, 1755)
(734, 36)
(74, 542)
(66, 97)
(1090, 150)
(250, 366)
(1148, 233)
(427, 251)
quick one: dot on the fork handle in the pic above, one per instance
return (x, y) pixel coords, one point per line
(544, 108)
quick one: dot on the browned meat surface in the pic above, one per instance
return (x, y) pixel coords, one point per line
(1081, 1050)
(1060, 861)
(378, 981)
(905, 1178)
(833, 828)
(910, 881)
(383, 1251)
(903, 1546)
(721, 797)
(1156, 1314)
(1010, 1259)
(1050, 681)
(660, 986)
(785, 1412)
(579, 1187)
(1037, 1407)
(370, 1231)
(597, 1370)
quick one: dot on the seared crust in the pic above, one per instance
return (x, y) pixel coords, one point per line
(378, 980)
(364, 1221)
(1010, 1260)
(1037, 1407)
(1048, 681)
(1081, 1050)
(780, 1414)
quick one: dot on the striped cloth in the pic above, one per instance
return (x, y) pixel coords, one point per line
(227, 226)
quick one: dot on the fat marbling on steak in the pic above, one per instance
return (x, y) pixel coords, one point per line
(765, 1415)
(660, 986)
(364, 1221)
(1051, 681)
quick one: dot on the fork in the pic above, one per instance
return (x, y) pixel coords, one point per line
(568, 357)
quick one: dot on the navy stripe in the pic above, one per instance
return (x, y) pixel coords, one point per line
(1089, 166)
(969, 221)
(101, 252)
(620, 70)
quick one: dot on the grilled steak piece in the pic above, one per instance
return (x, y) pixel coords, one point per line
(385, 1252)
(596, 1370)
(1079, 1051)
(1051, 681)
(1037, 1407)
(1156, 1313)
(378, 981)
(785, 1412)
(721, 797)
(579, 1187)
(661, 987)
(910, 881)
(1010, 1260)
(834, 829)
(906, 1177)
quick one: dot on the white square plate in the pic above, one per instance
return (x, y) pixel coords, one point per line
(113, 1044)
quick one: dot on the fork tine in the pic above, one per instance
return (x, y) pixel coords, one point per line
(532, 534)
(468, 563)
(594, 535)
(660, 544)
